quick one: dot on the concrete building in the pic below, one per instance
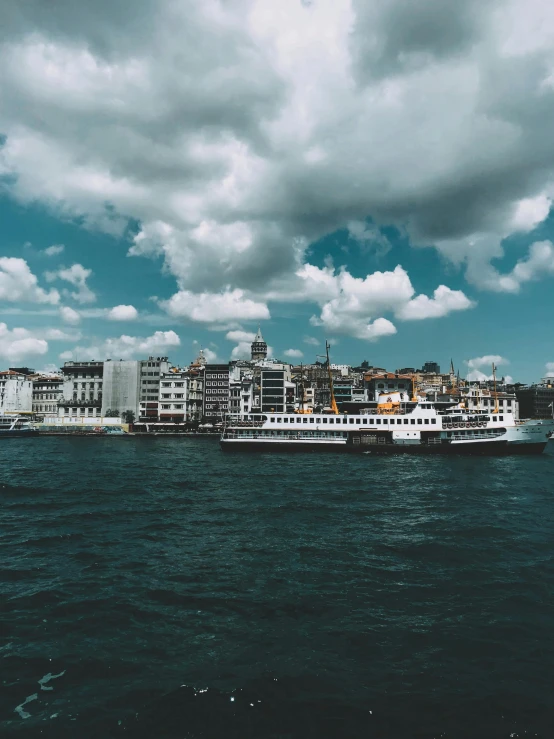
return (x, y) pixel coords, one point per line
(537, 401)
(277, 391)
(47, 392)
(431, 368)
(82, 389)
(216, 391)
(16, 393)
(121, 387)
(387, 383)
(477, 398)
(173, 397)
(151, 371)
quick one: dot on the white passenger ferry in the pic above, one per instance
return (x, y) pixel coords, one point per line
(393, 427)
(15, 425)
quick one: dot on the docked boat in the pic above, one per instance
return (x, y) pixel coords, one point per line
(415, 428)
(14, 425)
(401, 423)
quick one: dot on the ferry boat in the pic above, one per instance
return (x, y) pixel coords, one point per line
(415, 428)
(400, 424)
(14, 425)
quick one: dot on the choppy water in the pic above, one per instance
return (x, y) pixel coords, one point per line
(161, 588)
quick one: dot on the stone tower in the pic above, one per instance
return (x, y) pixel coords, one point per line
(259, 347)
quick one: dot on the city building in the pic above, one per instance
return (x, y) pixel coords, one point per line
(47, 391)
(537, 401)
(151, 371)
(120, 388)
(172, 407)
(388, 383)
(277, 391)
(16, 392)
(431, 368)
(216, 391)
(259, 347)
(82, 389)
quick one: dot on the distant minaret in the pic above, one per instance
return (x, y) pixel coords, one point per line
(259, 347)
(452, 372)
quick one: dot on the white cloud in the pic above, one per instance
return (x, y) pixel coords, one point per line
(443, 302)
(550, 369)
(18, 283)
(19, 344)
(123, 313)
(211, 356)
(259, 139)
(240, 335)
(351, 305)
(77, 276)
(54, 250)
(68, 315)
(208, 307)
(126, 347)
(56, 334)
(293, 353)
(486, 361)
(311, 340)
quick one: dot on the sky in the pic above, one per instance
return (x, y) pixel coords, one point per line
(174, 174)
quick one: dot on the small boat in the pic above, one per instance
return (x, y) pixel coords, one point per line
(13, 425)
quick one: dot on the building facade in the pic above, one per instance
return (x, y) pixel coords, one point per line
(277, 392)
(47, 392)
(537, 401)
(82, 389)
(120, 391)
(151, 372)
(216, 391)
(16, 392)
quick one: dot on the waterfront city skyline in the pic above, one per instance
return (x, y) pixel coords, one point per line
(395, 200)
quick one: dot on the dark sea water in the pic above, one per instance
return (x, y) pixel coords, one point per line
(161, 588)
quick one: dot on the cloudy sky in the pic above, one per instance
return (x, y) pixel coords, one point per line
(173, 173)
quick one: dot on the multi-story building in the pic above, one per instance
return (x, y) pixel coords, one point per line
(387, 383)
(430, 368)
(47, 391)
(82, 389)
(120, 387)
(16, 392)
(537, 401)
(151, 371)
(216, 391)
(277, 391)
(173, 397)
(477, 398)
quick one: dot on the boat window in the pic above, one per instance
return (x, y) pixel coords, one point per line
(279, 420)
(371, 420)
(391, 420)
(434, 420)
(285, 420)
(420, 421)
(412, 421)
(304, 420)
(351, 420)
(344, 420)
(331, 420)
(427, 421)
(324, 420)
(312, 420)
(364, 420)
(500, 418)
(378, 421)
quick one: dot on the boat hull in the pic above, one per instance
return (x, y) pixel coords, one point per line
(8, 433)
(228, 445)
(484, 449)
